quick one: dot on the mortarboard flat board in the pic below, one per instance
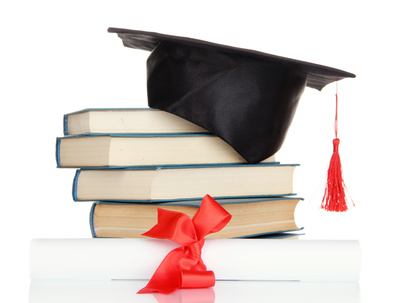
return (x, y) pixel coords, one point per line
(246, 97)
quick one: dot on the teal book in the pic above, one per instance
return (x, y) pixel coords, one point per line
(251, 217)
(126, 120)
(120, 150)
(160, 184)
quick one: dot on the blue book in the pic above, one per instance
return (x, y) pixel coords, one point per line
(251, 217)
(159, 184)
(120, 150)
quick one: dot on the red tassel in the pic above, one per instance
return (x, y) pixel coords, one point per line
(334, 197)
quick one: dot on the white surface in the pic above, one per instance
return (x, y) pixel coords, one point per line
(230, 259)
(56, 57)
(44, 291)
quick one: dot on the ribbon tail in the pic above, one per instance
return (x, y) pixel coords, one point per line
(166, 279)
(188, 279)
(149, 290)
(197, 279)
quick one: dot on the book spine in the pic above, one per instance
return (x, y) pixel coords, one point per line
(74, 188)
(91, 220)
(66, 125)
(57, 152)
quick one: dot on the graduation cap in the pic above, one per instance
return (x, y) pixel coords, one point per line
(247, 98)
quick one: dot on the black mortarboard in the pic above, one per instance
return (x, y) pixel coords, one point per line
(247, 98)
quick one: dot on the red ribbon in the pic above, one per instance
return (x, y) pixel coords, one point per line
(183, 266)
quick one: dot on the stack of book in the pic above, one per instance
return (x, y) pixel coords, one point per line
(132, 161)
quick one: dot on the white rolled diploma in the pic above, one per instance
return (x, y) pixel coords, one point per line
(230, 259)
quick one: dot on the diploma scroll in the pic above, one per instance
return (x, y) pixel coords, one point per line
(230, 259)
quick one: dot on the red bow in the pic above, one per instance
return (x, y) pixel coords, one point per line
(183, 266)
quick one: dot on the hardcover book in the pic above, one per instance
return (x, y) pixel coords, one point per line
(156, 184)
(250, 217)
(118, 150)
(126, 120)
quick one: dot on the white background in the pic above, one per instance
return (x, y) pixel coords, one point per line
(57, 57)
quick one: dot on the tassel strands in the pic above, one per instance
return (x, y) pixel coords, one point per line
(334, 198)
